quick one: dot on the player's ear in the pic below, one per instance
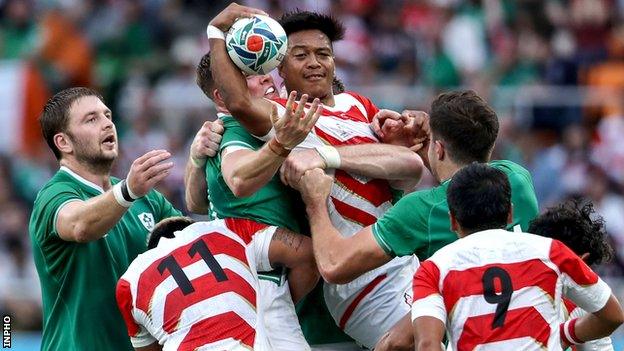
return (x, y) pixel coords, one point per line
(454, 224)
(218, 99)
(439, 149)
(63, 143)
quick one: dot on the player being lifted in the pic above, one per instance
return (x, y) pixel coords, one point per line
(243, 167)
(196, 287)
(369, 306)
(495, 290)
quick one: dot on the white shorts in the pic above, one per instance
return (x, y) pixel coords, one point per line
(373, 312)
(276, 310)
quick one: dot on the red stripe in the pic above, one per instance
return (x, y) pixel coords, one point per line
(356, 301)
(371, 109)
(375, 191)
(206, 287)
(221, 327)
(352, 114)
(150, 278)
(426, 280)
(572, 265)
(354, 214)
(245, 228)
(124, 301)
(354, 140)
(519, 322)
(458, 284)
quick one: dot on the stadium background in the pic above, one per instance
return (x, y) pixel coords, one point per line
(553, 69)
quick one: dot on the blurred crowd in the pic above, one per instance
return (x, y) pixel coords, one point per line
(141, 55)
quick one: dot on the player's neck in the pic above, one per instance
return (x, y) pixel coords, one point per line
(328, 100)
(447, 170)
(100, 178)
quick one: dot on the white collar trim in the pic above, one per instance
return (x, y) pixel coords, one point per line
(82, 180)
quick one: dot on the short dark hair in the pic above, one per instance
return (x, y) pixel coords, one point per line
(204, 76)
(467, 125)
(298, 21)
(575, 224)
(55, 116)
(166, 229)
(479, 197)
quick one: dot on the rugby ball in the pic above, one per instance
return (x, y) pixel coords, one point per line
(256, 45)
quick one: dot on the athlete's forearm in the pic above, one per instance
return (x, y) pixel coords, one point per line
(601, 323)
(252, 113)
(85, 221)
(195, 188)
(399, 337)
(245, 171)
(331, 250)
(381, 161)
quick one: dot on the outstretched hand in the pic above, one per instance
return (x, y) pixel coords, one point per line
(147, 170)
(295, 124)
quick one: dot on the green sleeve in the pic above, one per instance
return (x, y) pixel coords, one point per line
(236, 135)
(48, 203)
(403, 229)
(165, 207)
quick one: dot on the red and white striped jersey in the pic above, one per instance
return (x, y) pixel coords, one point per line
(504, 291)
(355, 201)
(196, 291)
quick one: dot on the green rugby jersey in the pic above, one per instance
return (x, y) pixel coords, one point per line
(274, 204)
(78, 280)
(419, 223)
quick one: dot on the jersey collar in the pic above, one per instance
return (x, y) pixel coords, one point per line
(82, 180)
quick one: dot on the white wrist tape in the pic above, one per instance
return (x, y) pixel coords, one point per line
(119, 196)
(132, 195)
(214, 33)
(330, 155)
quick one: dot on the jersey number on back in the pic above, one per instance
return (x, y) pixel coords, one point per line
(501, 300)
(169, 263)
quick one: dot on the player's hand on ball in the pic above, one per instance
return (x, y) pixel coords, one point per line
(206, 141)
(314, 186)
(230, 14)
(293, 127)
(147, 170)
(297, 163)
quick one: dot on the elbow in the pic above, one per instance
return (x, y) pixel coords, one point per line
(195, 208)
(416, 165)
(240, 187)
(426, 345)
(81, 235)
(332, 274)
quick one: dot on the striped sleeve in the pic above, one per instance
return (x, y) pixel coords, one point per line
(427, 296)
(581, 284)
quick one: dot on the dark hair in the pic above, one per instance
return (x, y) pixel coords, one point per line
(55, 116)
(166, 228)
(571, 223)
(298, 21)
(204, 76)
(466, 124)
(479, 197)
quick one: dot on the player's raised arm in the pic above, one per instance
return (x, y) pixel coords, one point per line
(246, 171)
(205, 144)
(84, 221)
(252, 112)
(339, 259)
